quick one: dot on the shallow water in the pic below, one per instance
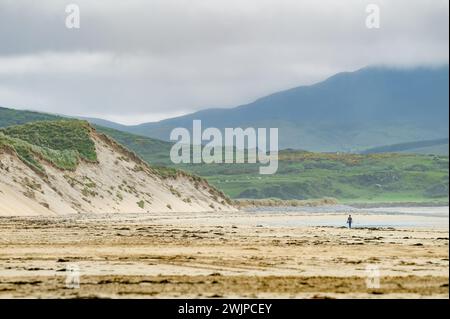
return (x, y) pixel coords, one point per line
(336, 216)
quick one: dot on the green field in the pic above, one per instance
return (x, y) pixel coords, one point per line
(350, 178)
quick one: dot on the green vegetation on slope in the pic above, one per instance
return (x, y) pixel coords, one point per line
(411, 147)
(61, 143)
(30, 154)
(57, 135)
(349, 178)
(436, 149)
(10, 117)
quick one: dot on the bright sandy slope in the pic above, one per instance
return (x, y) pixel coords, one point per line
(119, 183)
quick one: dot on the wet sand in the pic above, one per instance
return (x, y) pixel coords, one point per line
(212, 255)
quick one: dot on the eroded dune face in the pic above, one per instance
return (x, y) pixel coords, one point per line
(118, 183)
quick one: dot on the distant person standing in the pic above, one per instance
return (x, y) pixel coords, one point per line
(349, 221)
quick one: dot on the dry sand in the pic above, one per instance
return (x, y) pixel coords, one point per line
(233, 254)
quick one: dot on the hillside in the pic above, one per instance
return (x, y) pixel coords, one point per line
(437, 147)
(64, 167)
(304, 175)
(348, 112)
(10, 117)
(350, 178)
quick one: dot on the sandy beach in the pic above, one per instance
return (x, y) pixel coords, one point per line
(213, 255)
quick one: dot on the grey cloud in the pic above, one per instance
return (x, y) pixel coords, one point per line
(163, 57)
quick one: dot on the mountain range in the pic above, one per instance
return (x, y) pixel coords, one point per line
(348, 112)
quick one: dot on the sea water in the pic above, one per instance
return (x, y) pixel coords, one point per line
(336, 216)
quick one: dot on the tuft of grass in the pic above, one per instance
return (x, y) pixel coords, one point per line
(141, 204)
(166, 172)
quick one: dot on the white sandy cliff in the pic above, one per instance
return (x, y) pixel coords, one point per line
(119, 183)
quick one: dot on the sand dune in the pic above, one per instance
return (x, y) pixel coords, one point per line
(119, 183)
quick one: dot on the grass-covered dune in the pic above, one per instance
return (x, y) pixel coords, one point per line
(61, 143)
(58, 135)
(75, 169)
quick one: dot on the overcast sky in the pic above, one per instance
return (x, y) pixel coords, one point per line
(144, 60)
